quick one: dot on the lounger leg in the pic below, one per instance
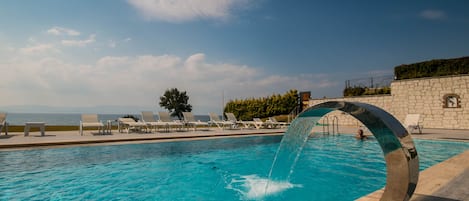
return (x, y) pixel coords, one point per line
(43, 128)
(26, 130)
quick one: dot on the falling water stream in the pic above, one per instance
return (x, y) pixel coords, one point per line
(289, 151)
(290, 148)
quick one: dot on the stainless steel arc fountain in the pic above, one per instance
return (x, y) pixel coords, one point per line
(401, 157)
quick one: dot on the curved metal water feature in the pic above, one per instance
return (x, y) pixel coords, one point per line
(399, 151)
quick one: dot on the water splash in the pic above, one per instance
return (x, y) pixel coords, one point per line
(253, 187)
(290, 149)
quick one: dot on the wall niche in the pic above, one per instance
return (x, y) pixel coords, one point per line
(451, 101)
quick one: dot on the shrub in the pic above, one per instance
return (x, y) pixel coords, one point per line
(433, 68)
(263, 107)
(354, 91)
(360, 91)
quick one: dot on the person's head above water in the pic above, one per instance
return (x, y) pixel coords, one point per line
(360, 135)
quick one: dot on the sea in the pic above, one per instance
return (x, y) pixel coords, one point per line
(69, 119)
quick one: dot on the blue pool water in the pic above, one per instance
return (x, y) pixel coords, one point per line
(329, 168)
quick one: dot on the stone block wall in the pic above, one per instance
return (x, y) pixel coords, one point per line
(424, 96)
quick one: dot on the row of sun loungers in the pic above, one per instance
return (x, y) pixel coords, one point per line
(148, 123)
(257, 122)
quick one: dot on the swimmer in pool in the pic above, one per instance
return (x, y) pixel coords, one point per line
(360, 135)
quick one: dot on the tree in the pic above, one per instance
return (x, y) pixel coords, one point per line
(175, 102)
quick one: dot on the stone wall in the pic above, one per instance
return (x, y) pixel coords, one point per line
(425, 96)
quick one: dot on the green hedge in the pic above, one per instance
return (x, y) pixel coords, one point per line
(360, 91)
(433, 68)
(263, 107)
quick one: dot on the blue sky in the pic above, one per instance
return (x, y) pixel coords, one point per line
(119, 56)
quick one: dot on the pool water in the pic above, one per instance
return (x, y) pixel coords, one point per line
(329, 168)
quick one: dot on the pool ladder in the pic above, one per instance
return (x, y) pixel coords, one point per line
(326, 125)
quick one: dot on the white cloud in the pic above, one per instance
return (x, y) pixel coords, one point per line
(433, 14)
(185, 10)
(111, 62)
(114, 44)
(62, 31)
(39, 48)
(79, 43)
(139, 81)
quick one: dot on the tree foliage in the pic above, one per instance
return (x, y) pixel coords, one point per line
(433, 68)
(263, 107)
(176, 102)
(360, 91)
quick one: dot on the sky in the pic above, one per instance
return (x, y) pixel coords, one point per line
(119, 56)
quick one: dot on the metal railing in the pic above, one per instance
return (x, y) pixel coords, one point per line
(335, 125)
(292, 115)
(370, 82)
(326, 125)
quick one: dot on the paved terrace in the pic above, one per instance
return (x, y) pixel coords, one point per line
(446, 181)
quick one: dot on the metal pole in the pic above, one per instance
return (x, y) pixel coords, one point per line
(222, 105)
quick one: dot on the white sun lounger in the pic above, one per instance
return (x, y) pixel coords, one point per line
(261, 124)
(129, 124)
(215, 119)
(246, 124)
(149, 119)
(3, 123)
(91, 120)
(165, 118)
(411, 123)
(276, 123)
(189, 119)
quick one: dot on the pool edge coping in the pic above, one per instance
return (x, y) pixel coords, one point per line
(5, 147)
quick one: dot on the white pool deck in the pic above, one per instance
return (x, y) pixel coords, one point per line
(446, 181)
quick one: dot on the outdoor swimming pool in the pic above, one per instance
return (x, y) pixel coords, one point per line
(329, 168)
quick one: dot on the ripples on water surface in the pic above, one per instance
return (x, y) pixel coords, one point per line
(330, 168)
